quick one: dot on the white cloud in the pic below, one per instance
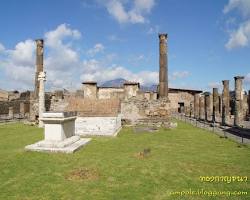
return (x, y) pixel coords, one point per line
(179, 74)
(239, 37)
(214, 85)
(153, 30)
(135, 14)
(96, 49)
(60, 63)
(243, 6)
(55, 38)
(247, 79)
(2, 48)
(94, 70)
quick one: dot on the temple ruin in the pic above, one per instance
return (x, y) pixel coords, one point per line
(128, 103)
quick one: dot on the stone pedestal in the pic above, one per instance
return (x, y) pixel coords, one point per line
(59, 134)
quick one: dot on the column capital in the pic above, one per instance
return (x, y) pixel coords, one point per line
(162, 36)
(238, 77)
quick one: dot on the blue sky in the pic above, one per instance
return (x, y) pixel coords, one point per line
(101, 40)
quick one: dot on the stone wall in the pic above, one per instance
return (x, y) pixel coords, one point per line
(4, 95)
(105, 126)
(180, 97)
(133, 109)
(109, 92)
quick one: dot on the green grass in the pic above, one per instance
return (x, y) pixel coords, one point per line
(177, 159)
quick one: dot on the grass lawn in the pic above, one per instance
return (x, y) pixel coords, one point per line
(112, 168)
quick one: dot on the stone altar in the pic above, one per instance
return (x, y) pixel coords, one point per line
(59, 134)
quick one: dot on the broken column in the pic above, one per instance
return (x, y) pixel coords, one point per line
(249, 103)
(238, 100)
(22, 109)
(196, 106)
(216, 105)
(11, 112)
(41, 79)
(39, 63)
(225, 102)
(207, 106)
(163, 62)
(202, 107)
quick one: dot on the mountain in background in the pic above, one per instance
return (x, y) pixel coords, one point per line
(120, 81)
(114, 83)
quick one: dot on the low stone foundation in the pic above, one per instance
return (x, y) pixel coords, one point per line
(103, 126)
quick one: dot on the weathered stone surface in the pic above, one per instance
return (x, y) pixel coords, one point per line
(11, 113)
(225, 103)
(163, 62)
(208, 112)
(41, 79)
(59, 134)
(202, 107)
(196, 106)
(102, 126)
(39, 64)
(216, 105)
(238, 115)
(90, 90)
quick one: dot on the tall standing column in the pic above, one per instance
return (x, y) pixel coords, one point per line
(41, 79)
(39, 63)
(163, 62)
(225, 102)
(249, 103)
(202, 107)
(196, 106)
(215, 104)
(207, 106)
(238, 100)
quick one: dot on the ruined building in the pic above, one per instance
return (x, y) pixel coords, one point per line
(129, 101)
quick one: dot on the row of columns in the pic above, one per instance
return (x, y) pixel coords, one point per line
(21, 110)
(216, 108)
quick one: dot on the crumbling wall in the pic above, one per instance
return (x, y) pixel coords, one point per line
(109, 93)
(134, 109)
(180, 97)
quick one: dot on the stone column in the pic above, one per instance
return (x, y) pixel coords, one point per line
(215, 104)
(207, 106)
(41, 79)
(22, 111)
(202, 107)
(238, 100)
(11, 112)
(196, 106)
(249, 103)
(39, 64)
(163, 62)
(191, 110)
(225, 102)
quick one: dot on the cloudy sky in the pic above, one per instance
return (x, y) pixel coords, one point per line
(101, 40)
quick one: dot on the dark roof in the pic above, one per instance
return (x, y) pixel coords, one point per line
(185, 90)
(90, 82)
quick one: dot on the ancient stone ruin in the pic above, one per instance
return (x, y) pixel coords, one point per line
(102, 110)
